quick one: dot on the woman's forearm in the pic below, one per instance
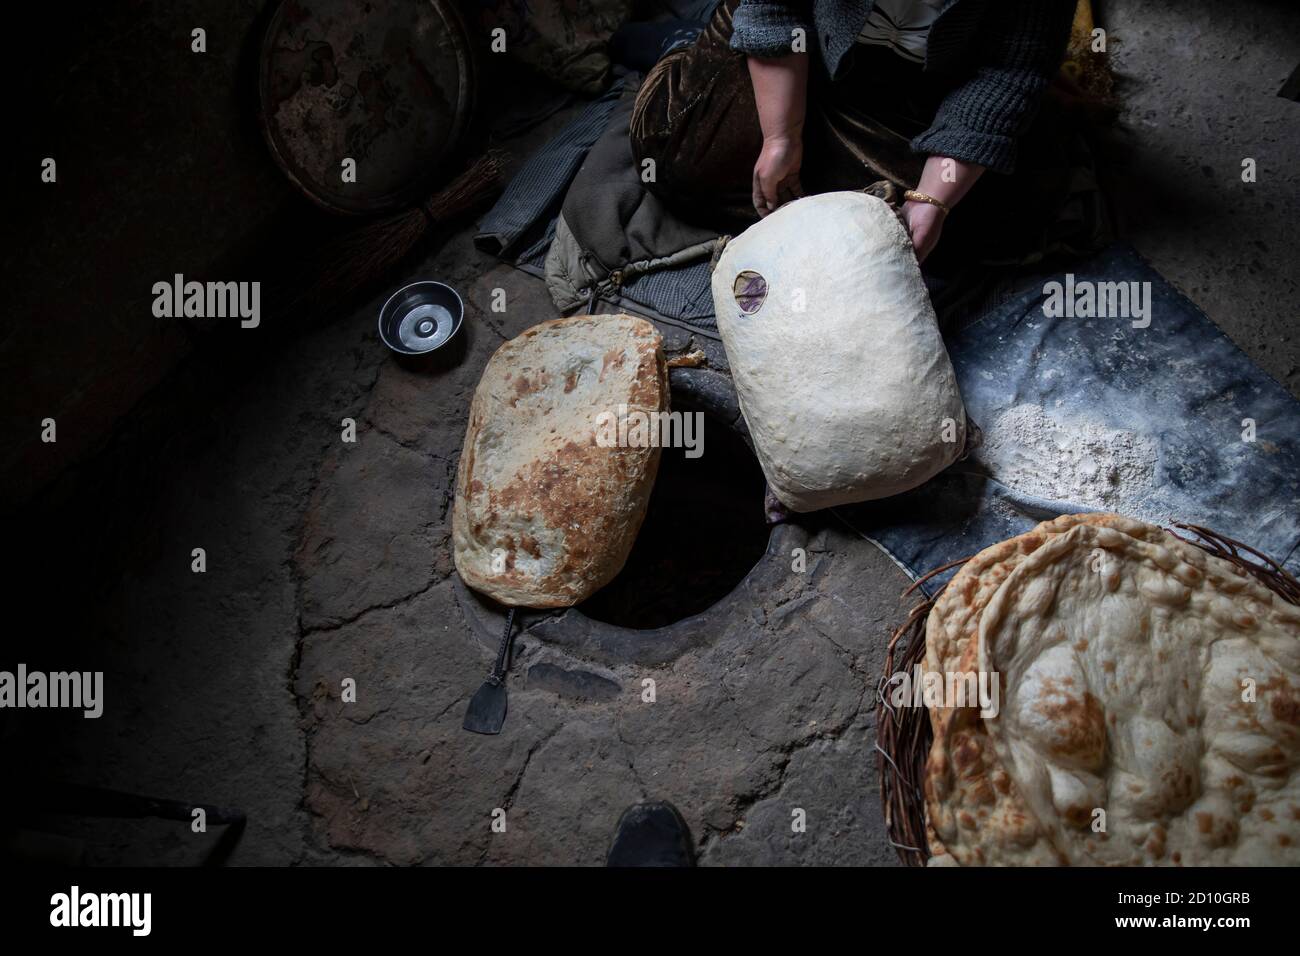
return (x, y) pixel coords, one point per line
(948, 179)
(780, 93)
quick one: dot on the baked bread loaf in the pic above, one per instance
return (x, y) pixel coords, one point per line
(544, 515)
(835, 352)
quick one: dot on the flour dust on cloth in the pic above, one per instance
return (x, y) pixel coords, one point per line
(546, 509)
(835, 353)
(902, 26)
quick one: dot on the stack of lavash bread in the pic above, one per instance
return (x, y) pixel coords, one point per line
(1149, 707)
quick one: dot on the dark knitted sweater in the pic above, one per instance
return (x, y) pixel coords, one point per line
(997, 57)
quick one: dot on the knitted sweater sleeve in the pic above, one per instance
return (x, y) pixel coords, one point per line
(1020, 47)
(766, 27)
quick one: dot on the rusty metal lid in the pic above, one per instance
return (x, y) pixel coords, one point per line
(388, 84)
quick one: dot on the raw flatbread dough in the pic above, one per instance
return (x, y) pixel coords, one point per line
(545, 516)
(839, 367)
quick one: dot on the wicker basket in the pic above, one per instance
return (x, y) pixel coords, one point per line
(903, 735)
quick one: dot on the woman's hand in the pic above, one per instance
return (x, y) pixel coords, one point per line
(781, 98)
(776, 174)
(947, 180)
(924, 223)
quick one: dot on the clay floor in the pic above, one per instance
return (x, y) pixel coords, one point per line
(329, 560)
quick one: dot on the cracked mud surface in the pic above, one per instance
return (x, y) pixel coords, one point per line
(768, 712)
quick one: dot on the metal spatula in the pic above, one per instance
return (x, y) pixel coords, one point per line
(487, 708)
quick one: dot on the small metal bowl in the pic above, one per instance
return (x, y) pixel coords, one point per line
(421, 318)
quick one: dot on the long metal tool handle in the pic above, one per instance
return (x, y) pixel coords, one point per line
(503, 653)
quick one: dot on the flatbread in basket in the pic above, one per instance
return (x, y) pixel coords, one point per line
(1149, 712)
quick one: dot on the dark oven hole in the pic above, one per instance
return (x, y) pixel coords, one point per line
(704, 531)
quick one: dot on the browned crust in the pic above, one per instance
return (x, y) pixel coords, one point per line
(963, 774)
(595, 496)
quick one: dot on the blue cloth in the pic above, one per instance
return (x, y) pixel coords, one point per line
(519, 227)
(684, 293)
(1179, 385)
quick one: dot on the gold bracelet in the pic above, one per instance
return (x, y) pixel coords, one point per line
(913, 196)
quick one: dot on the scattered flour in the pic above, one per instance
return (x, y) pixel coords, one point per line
(1077, 461)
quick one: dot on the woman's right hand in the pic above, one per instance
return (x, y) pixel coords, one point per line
(776, 174)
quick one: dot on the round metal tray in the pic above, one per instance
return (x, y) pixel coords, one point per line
(386, 83)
